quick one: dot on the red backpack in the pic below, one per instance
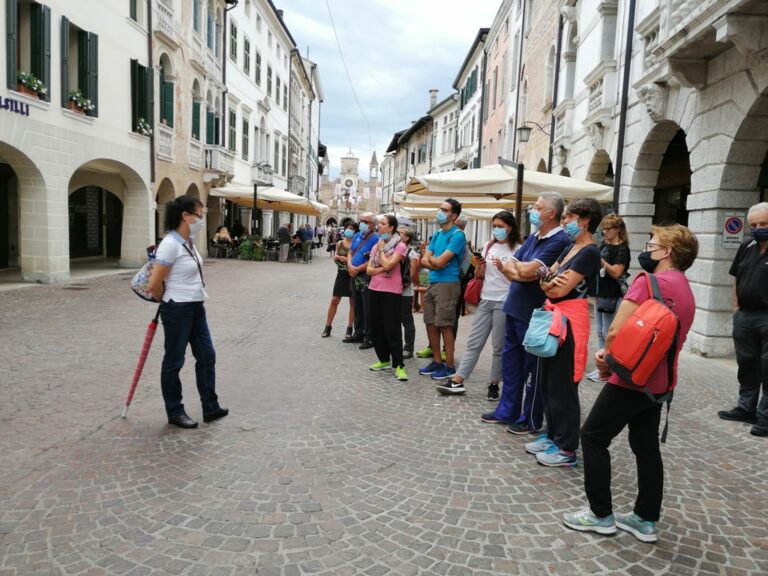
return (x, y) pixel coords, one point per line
(648, 336)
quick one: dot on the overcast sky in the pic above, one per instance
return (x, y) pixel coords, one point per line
(395, 50)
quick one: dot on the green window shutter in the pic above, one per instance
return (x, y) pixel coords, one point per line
(45, 74)
(64, 61)
(141, 103)
(11, 21)
(196, 120)
(134, 94)
(132, 10)
(209, 128)
(82, 63)
(150, 98)
(36, 40)
(216, 130)
(93, 71)
(166, 102)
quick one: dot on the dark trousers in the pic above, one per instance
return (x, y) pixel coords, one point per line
(750, 339)
(385, 326)
(185, 323)
(614, 409)
(406, 319)
(361, 300)
(520, 397)
(561, 396)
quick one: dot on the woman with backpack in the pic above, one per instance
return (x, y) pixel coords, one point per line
(489, 318)
(610, 283)
(386, 294)
(177, 282)
(410, 270)
(669, 253)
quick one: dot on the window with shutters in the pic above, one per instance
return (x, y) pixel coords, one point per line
(79, 65)
(210, 127)
(277, 152)
(141, 96)
(277, 90)
(233, 41)
(196, 109)
(246, 134)
(285, 97)
(196, 15)
(258, 68)
(232, 130)
(166, 91)
(269, 81)
(284, 165)
(28, 46)
(246, 55)
(137, 11)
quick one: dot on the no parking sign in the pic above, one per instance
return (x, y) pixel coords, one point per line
(733, 229)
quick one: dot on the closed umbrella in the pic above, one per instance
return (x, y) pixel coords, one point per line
(150, 335)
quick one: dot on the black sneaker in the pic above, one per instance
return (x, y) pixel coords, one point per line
(493, 392)
(451, 387)
(759, 429)
(738, 414)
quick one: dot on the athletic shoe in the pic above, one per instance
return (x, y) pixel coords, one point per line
(553, 456)
(407, 354)
(490, 418)
(400, 374)
(443, 355)
(443, 373)
(594, 376)
(585, 521)
(519, 428)
(759, 429)
(541, 444)
(424, 353)
(451, 387)
(643, 530)
(430, 368)
(738, 414)
(380, 366)
(493, 392)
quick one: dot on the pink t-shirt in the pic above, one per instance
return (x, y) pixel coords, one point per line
(391, 281)
(677, 294)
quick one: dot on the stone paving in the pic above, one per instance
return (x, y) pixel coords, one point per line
(322, 467)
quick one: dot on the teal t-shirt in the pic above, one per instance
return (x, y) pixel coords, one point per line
(454, 241)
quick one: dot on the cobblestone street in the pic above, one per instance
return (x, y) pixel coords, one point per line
(322, 467)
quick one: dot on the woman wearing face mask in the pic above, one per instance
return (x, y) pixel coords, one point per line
(386, 295)
(670, 252)
(566, 289)
(489, 316)
(177, 282)
(341, 287)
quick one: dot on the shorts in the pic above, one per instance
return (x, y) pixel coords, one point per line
(440, 303)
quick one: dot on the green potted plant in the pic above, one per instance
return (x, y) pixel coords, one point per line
(79, 103)
(143, 128)
(30, 84)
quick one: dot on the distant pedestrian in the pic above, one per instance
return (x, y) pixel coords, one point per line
(320, 233)
(750, 323)
(177, 282)
(342, 285)
(284, 238)
(669, 253)
(305, 236)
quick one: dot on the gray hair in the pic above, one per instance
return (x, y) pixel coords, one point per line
(366, 214)
(759, 207)
(556, 200)
(461, 221)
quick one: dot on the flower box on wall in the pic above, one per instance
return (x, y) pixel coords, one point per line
(27, 91)
(75, 108)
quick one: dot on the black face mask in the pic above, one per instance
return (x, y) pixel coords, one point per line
(647, 263)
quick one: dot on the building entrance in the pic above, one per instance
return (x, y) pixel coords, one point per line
(95, 223)
(674, 183)
(9, 221)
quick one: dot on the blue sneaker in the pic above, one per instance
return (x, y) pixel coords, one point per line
(443, 373)
(585, 521)
(643, 530)
(430, 368)
(553, 456)
(541, 444)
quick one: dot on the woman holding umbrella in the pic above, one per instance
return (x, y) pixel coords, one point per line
(177, 282)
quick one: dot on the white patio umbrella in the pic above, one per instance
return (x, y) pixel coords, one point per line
(270, 198)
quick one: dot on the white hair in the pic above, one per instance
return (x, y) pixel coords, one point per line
(759, 207)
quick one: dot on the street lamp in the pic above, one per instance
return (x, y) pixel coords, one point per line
(266, 170)
(524, 132)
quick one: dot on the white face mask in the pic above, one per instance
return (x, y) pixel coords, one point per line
(197, 226)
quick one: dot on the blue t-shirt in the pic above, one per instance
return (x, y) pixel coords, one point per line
(523, 297)
(587, 263)
(362, 254)
(305, 235)
(454, 241)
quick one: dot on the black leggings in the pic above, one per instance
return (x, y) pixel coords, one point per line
(386, 335)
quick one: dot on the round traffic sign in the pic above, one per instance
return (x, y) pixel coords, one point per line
(733, 225)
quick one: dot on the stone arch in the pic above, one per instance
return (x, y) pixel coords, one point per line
(193, 190)
(27, 219)
(165, 63)
(565, 172)
(542, 166)
(601, 168)
(165, 193)
(126, 212)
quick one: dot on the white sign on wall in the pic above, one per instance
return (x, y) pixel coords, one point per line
(733, 229)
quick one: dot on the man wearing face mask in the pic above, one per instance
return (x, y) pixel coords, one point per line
(443, 260)
(521, 406)
(750, 324)
(362, 244)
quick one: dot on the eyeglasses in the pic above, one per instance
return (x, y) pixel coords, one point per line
(608, 229)
(651, 247)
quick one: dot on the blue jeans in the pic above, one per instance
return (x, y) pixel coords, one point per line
(521, 400)
(184, 323)
(603, 322)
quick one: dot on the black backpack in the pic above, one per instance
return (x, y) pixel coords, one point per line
(405, 269)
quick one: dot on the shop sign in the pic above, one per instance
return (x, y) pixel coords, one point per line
(12, 105)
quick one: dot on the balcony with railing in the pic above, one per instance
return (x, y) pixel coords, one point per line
(261, 172)
(219, 159)
(195, 154)
(164, 142)
(165, 25)
(197, 52)
(297, 184)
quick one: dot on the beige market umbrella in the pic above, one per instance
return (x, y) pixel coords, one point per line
(270, 198)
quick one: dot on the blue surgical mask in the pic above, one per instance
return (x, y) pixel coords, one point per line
(364, 227)
(572, 229)
(348, 233)
(385, 236)
(759, 234)
(442, 217)
(500, 233)
(534, 218)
